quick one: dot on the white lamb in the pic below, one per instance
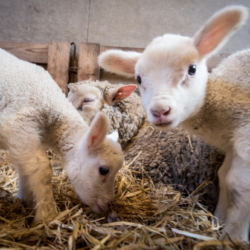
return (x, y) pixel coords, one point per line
(35, 115)
(175, 89)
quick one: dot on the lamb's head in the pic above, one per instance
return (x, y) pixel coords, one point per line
(93, 164)
(171, 72)
(88, 97)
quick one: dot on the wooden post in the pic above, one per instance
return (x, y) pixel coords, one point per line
(58, 64)
(87, 63)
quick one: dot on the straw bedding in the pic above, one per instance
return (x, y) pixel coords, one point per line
(144, 216)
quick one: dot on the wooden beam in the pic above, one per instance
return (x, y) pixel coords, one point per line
(87, 63)
(58, 64)
(31, 52)
(103, 48)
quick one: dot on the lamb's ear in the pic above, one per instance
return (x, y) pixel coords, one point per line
(219, 28)
(119, 93)
(97, 131)
(114, 136)
(119, 62)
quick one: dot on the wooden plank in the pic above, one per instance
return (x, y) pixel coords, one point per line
(31, 52)
(103, 48)
(58, 63)
(87, 63)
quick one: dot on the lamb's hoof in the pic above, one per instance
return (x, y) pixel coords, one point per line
(45, 219)
(217, 222)
(113, 217)
(220, 217)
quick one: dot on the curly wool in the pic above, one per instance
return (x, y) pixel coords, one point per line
(178, 159)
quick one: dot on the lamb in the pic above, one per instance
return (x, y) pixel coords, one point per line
(36, 115)
(173, 157)
(175, 89)
(119, 103)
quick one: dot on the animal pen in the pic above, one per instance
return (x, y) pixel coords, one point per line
(146, 214)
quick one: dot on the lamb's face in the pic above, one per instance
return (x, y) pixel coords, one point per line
(172, 84)
(88, 100)
(94, 175)
(92, 164)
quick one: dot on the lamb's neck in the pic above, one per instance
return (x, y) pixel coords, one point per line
(66, 131)
(212, 122)
(195, 123)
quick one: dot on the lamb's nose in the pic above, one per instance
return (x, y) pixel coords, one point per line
(161, 112)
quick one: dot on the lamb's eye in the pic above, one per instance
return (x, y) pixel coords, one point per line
(79, 108)
(192, 69)
(138, 78)
(88, 100)
(103, 170)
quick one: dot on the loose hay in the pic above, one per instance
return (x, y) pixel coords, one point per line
(144, 216)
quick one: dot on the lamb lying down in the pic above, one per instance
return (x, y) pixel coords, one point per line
(118, 102)
(173, 157)
(35, 115)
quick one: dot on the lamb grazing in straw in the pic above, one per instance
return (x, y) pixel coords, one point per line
(36, 115)
(172, 157)
(175, 89)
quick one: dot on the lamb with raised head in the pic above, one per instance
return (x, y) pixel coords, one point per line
(175, 89)
(36, 115)
(173, 157)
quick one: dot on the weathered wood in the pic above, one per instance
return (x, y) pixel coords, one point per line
(58, 63)
(87, 63)
(103, 48)
(31, 52)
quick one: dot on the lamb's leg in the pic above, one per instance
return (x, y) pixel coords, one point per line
(25, 193)
(222, 205)
(238, 214)
(36, 167)
(46, 207)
